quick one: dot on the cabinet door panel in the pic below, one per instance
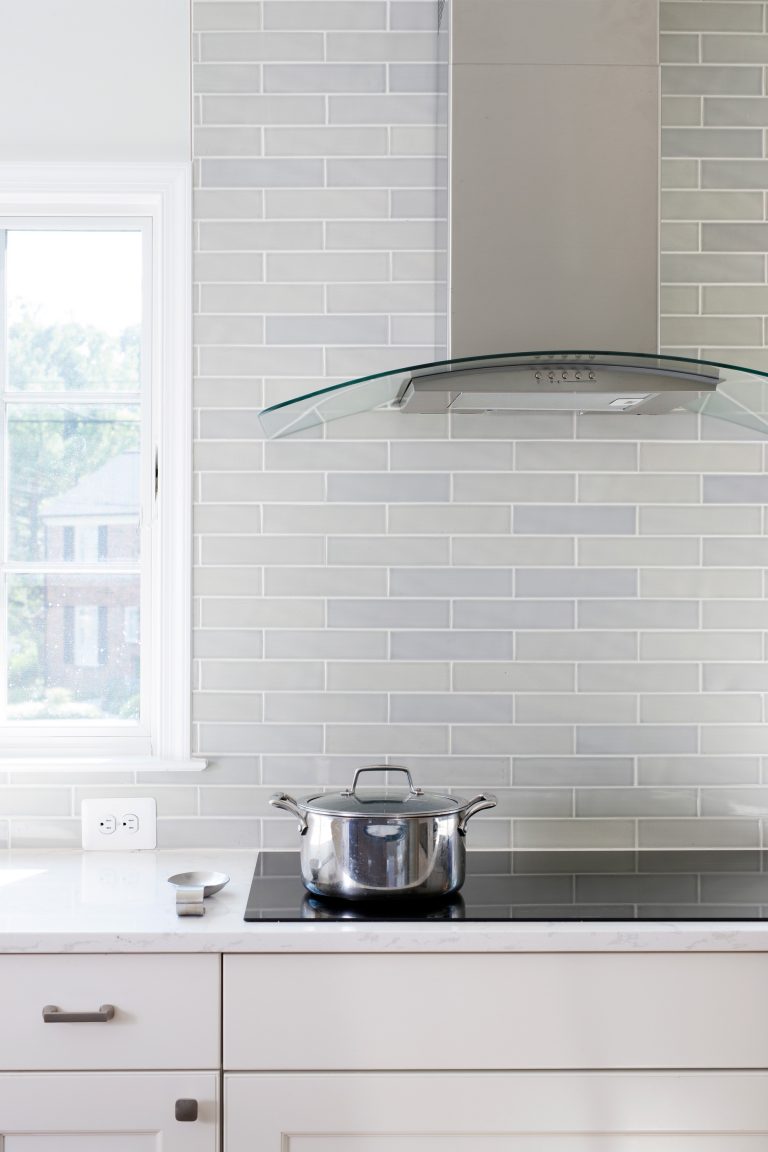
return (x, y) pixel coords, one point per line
(497, 1112)
(106, 1112)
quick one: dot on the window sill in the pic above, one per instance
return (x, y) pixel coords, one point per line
(104, 764)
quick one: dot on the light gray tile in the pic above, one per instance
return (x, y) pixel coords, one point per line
(40, 801)
(261, 173)
(323, 707)
(388, 613)
(451, 645)
(569, 521)
(700, 458)
(732, 111)
(227, 706)
(577, 457)
(451, 456)
(251, 738)
(261, 675)
(701, 646)
(741, 142)
(681, 111)
(732, 677)
(570, 583)
(392, 108)
(452, 708)
(638, 614)
(229, 47)
(327, 204)
(430, 582)
(679, 237)
(227, 643)
(638, 677)
(741, 174)
(390, 47)
(727, 330)
(390, 676)
(645, 551)
(641, 489)
(636, 739)
(218, 141)
(734, 738)
(261, 298)
(678, 48)
(670, 426)
(209, 833)
(326, 267)
(325, 581)
(636, 802)
(412, 14)
(575, 708)
(679, 173)
(577, 646)
(698, 770)
(486, 739)
(226, 78)
(224, 581)
(710, 521)
(701, 833)
(734, 802)
(690, 583)
(325, 14)
(295, 78)
(254, 487)
(247, 550)
(456, 518)
(230, 267)
(326, 141)
(533, 802)
(483, 614)
(228, 104)
(596, 834)
(704, 707)
(736, 489)
(369, 739)
(323, 519)
(734, 237)
(387, 488)
(388, 550)
(573, 771)
(712, 205)
(249, 612)
(322, 644)
(513, 488)
(739, 49)
(737, 81)
(702, 267)
(734, 300)
(225, 16)
(513, 551)
(323, 456)
(747, 614)
(228, 204)
(513, 677)
(288, 330)
(711, 17)
(394, 171)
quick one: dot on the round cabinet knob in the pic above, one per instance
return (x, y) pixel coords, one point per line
(186, 1110)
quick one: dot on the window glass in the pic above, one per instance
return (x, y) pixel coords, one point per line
(75, 421)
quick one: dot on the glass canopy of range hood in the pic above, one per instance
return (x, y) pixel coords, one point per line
(629, 384)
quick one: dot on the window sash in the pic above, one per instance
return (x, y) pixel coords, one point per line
(85, 537)
(160, 193)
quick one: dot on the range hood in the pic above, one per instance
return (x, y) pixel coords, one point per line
(553, 193)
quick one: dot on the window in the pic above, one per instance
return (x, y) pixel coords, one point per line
(96, 441)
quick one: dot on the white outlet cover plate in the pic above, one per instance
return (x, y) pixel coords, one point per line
(93, 812)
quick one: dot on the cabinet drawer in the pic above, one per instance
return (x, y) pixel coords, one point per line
(166, 1012)
(708, 1010)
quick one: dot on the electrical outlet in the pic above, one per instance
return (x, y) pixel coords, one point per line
(119, 823)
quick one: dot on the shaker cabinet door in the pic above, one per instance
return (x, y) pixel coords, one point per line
(107, 1112)
(496, 1112)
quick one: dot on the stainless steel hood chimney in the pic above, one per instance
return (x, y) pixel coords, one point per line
(553, 229)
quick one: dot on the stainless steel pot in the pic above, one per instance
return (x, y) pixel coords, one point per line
(369, 846)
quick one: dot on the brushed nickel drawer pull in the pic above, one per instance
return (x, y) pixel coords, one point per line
(54, 1015)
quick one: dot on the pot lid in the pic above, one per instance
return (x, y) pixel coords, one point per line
(399, 802)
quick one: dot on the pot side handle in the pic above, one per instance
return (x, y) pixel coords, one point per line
(476, 804)
(283, 800)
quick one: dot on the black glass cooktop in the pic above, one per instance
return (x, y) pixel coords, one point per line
(607, 885)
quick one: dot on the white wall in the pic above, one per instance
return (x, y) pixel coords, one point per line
(94, 80)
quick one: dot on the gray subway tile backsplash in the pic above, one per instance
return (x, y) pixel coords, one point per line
(570, 610)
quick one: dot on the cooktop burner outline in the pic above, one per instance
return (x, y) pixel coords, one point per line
(616, 885)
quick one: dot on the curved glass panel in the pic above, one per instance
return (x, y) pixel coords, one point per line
(548, 381)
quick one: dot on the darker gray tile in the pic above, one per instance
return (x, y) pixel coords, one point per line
(565, 520)
(736, 489)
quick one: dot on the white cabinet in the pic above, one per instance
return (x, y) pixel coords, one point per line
(107, 1112)
(496, 1111)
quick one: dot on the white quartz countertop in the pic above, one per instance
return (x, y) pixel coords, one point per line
(121, 902)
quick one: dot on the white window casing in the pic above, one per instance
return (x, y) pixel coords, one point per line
(161, 195)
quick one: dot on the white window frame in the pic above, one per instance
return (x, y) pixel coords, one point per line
(162, 193)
